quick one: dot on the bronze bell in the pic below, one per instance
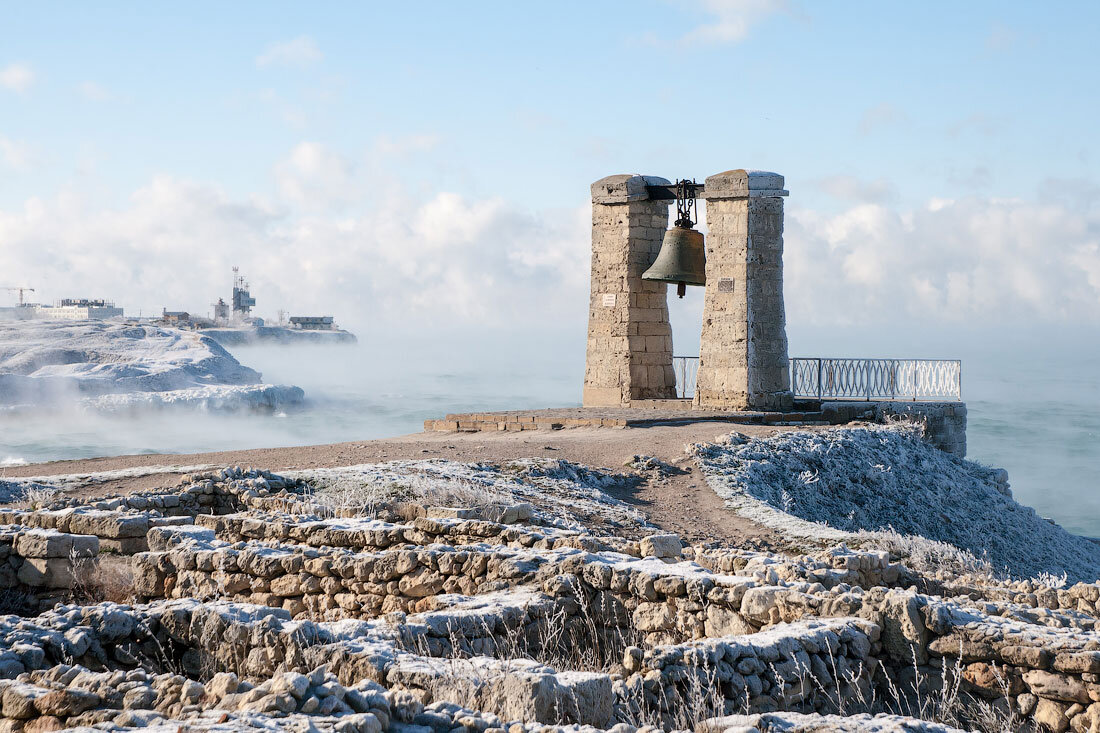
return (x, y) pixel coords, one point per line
(682, 259)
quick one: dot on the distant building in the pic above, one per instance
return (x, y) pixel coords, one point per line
(313, 323)
(78, 309)
(242, 299)
(221, 312)
(176, 316)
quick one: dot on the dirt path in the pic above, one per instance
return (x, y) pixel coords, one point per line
(680, 503)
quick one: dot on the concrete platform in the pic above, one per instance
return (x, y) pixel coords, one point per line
(669, 412)
(944, 422)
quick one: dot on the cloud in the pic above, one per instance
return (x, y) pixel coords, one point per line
(94, 92)
(438, 260)
(1001, 38)
(291, 113)
(977, 177)
(315, 176)
(729, 21)
(972, 259)
(977, 123)
(14, 155)
(881, 115)
(406, 145)
(17, 77)
(298, 52)
(329, 240)
(850, 188)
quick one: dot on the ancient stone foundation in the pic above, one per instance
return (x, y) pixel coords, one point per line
(265, 608)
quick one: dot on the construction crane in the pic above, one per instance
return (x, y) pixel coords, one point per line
(20, 291)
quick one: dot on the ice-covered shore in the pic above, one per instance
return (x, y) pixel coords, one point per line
(110, 366)
(833, 485)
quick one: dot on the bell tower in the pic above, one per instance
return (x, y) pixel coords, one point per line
(743, 362)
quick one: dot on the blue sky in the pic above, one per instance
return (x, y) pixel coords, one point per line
(432, 164)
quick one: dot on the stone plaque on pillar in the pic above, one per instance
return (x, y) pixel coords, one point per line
(629, 352)
(743, 346)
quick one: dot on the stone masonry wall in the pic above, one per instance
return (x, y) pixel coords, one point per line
(743, 348)
(629, 352)
(1042, 663)
(944, 422)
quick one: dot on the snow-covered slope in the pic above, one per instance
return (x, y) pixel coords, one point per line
(832, 483)
(109, 365)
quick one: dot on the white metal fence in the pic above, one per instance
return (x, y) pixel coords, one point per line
(855, 379)
(877, 379)
(686, 367)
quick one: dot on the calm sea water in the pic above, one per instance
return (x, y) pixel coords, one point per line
(1034, 403)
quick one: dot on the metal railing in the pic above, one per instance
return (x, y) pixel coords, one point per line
(877, 379)
(686, 367)
(912, 380)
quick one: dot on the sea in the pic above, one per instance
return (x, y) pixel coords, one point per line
(1033, 399)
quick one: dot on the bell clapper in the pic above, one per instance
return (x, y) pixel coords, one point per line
(681, 288)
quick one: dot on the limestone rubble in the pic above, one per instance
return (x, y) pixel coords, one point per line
(253, 605)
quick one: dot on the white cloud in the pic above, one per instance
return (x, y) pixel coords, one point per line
(330, 240)
(13, 154)
(850, 188)
(297, 52)
(314, 176)
(94, 92)
(404, 145)
(977, 123)
(883, 114)
(1001, 38)
(17, 77)
(972, 259)
(291, 113)
(441, 260)
(730, 20)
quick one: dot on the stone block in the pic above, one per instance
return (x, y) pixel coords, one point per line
(740, 183)
(113, 525)
(124, 545)
(47, 572)
(664, 546)
(45, 543)
(623, 188)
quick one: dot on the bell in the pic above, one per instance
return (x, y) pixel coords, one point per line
(681, 259)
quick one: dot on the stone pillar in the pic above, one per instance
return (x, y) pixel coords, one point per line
(743, 349)
(629, 354)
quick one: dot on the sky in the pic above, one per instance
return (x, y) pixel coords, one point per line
(426, 168)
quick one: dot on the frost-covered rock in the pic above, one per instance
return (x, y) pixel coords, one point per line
(105, 365)
(553, 492)
(829, 484)
(790, 722)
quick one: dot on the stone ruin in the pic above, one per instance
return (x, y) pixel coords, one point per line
(251, 605)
